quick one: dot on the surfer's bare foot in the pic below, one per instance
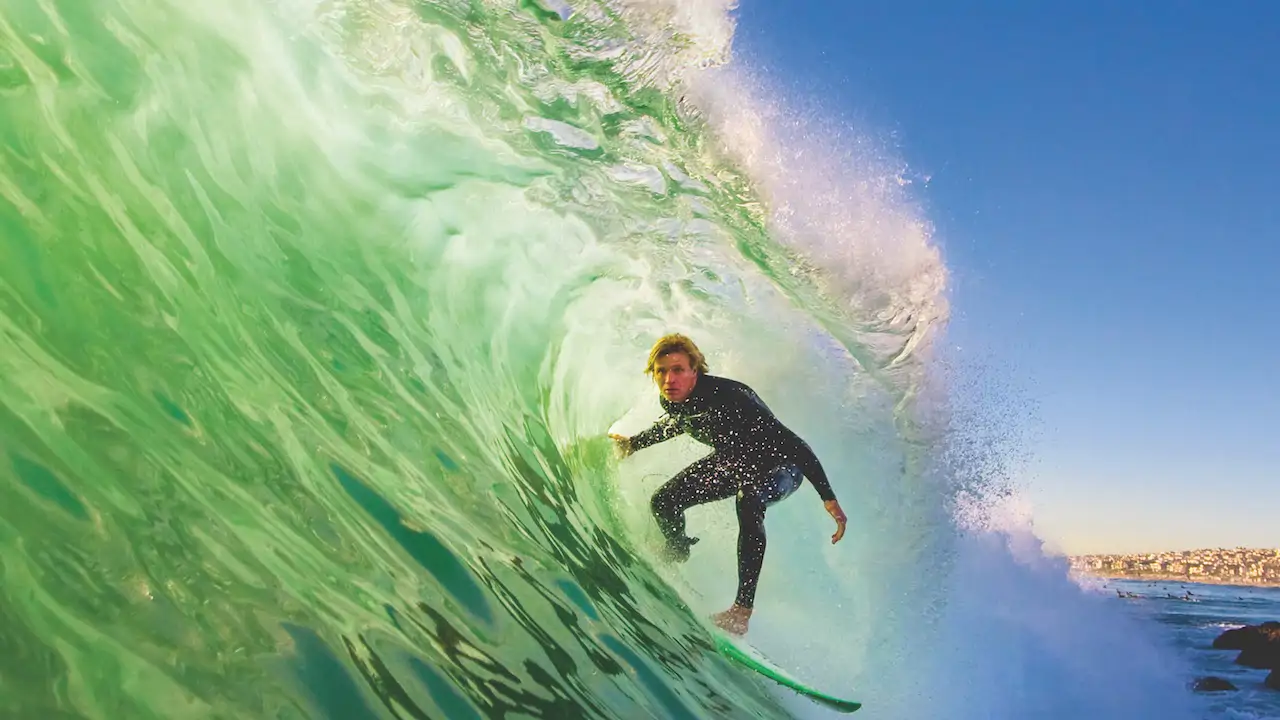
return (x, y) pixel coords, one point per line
(734, 620)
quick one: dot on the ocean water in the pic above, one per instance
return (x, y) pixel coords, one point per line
(314, 315)
(1192, 615)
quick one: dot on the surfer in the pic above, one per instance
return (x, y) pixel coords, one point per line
(754, 457)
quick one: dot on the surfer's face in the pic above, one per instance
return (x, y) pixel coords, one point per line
(675, 376)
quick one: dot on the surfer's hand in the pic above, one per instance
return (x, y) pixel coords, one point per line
(624, 444)
(833, 508)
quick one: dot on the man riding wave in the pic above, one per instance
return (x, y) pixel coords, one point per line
(754, 457)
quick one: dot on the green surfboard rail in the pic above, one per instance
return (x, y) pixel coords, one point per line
(730, 649)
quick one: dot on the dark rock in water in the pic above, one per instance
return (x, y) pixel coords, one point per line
(1273, 680)
(1241, 637)
(1259, 645)
(1261, 658)
(1213, 684)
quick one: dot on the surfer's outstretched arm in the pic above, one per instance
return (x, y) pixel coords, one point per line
(749, 405)
(661, 431)
(812, 468)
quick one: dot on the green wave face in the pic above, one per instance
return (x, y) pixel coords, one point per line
(313, 317)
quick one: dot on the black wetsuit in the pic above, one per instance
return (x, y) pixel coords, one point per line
(755, 457)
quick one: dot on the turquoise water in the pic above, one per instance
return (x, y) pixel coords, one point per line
(314, 316)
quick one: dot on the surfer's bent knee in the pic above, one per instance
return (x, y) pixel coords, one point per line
(659, 504)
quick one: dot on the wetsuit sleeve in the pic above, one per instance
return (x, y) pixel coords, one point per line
(750, 403)
(663, 430)
(812, 469)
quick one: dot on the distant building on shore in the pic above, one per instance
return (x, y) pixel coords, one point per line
(1237, 566)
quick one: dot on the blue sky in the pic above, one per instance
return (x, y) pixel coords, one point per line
(1105, 184)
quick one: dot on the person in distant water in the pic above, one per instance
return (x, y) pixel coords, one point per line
(754, 457)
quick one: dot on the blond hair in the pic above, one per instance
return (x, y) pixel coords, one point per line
(674, 343)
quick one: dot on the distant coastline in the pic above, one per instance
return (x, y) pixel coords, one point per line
(1247, 567)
